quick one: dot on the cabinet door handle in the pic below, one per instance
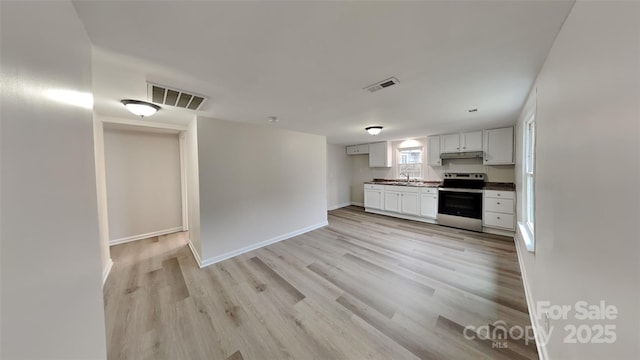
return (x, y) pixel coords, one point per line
(464, 147)
(498, 217)
(498, 203)
(498, 194)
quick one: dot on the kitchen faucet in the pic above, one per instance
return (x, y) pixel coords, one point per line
(407, 175)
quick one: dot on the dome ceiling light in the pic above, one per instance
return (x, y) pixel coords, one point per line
(374, 130)
(140, 108)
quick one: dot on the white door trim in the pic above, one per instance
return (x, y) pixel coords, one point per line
(182, 137)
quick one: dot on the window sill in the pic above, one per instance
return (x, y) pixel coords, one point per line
(527, 236)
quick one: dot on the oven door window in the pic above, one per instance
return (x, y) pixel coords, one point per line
(460, 204)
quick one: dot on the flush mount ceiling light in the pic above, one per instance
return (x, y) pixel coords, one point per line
(140, 108)
(374, 130)
(273, 119)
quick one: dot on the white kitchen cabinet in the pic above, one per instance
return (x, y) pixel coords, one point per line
(380, 154)
(392, 200)
(504, 206)
(358, 149)
(499, 209)
(429, 203)
(402, 199)
(498, 220)
(498, 146)
(417, 203)
(471, 141)
(461, 142)
(433, 151)
(409, 202)
(449, 143)
(374, 196)
(500, 194)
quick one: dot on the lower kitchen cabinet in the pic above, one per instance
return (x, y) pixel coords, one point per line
(499, 210)
(392, 201)
(429, 203)
(421, 204)
(401, 199)
(407, 202)
(374, 196)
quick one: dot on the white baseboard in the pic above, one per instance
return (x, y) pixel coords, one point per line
(521, 249)
(106, 271)
(338, 206)
(355, 203)
(490, 230)
(401, 216)
(144, 236)
(230, 254)
(196, 256)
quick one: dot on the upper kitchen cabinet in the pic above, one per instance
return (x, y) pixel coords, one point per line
(462, 142)
(450, 143)
(358, 149)
(498, 146)
(471, 141)
(433, 151)
(380, 154)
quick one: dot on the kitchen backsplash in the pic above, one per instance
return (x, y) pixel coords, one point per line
(495, 173)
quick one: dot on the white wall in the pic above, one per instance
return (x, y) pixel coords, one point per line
(338, 177)
(144, 193)
(193, 188)
(257, 183)
(361, 172)
(587, 176)
(51, 296)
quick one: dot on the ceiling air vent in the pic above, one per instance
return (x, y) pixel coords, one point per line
(161, 94)
(382, 84)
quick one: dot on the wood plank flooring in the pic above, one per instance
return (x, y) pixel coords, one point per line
(365, 287)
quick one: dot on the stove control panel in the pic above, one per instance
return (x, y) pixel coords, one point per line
(465, 176)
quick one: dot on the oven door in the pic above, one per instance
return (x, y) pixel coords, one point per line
(460, 202)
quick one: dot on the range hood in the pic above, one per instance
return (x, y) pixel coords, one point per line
(463, 155)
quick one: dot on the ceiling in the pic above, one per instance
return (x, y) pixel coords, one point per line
(308, 62)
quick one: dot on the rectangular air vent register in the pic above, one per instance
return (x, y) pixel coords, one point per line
(164, 95)
(382, 84)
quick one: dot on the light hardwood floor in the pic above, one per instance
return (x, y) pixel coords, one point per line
(364, 287)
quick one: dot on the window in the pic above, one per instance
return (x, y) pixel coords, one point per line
(410, 162)
(528, 177)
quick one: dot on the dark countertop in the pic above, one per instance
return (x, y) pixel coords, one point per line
(497, 186)
(403, 182)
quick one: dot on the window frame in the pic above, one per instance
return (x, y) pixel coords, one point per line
(528, 221)
(399, 162)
